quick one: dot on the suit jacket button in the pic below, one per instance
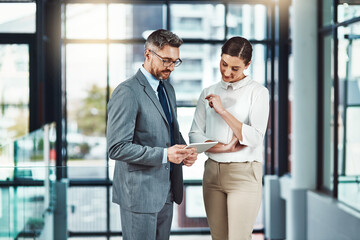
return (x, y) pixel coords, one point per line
(168, 144)
(167, 168)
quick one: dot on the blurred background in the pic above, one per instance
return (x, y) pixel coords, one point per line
(60, 60)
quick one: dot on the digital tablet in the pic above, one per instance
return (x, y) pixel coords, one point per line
(202, 147)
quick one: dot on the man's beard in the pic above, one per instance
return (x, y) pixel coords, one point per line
(158, 76)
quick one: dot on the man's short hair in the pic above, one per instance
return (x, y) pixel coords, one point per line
(161, 38)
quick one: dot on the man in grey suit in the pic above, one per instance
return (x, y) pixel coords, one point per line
(143, 137)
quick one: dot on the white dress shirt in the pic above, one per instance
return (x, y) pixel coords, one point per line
(154, 83)
(248, 102)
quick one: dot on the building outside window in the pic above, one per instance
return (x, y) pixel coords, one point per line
(101, 54)
(15, 18)
(341, 101)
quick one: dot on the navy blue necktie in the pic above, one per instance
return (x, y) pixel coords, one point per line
(165, 107)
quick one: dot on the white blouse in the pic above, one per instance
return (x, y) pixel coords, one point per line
(247, 101)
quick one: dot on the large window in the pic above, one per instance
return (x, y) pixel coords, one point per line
(14, 91)
(104, 45)
(86, 97)
(340, 101)
(349, 113)
(15, 19)
(97, 59)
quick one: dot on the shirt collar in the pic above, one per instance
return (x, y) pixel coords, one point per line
(235, 85)
(154, 83)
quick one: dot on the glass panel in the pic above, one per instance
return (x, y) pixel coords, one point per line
(257, 66)
(22, 207)
(115, 221)
(17, 17)
(327, 12)
(86, 209)
(86, 21)
(349, 190)
(125, 61)
(328, 167)
(191, 212)
(203, 21)
(353, 78)
(14, 91)
(86, 108)
(248, 21)
(349, 144)
(347, 11)
(342, 74)
(200, 69)
(185, 118)
(28, 161)
(352, 142)
(125, 22)
(349, 47)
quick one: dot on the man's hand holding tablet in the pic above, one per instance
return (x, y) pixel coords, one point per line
(201, 147)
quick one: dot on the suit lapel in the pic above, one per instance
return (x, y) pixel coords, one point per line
(150, 93)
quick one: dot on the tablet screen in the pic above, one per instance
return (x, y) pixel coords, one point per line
(202, 147)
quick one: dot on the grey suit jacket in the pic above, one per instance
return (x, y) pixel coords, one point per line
(137, 133)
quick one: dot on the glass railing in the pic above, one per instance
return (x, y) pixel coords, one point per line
(27, 175)
(349, 191)
(29, 191)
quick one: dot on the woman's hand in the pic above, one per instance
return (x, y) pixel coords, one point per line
(215, 103)
(233, 145)
(232, 122)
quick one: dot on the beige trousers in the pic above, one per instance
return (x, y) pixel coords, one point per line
(232, 197)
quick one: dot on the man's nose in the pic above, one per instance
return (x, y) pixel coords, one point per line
(171, 67)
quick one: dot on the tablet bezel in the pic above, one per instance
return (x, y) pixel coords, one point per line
(202, 147)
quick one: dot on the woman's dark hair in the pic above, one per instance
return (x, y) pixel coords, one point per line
(238, 47)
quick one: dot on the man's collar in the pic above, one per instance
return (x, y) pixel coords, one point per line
(154, 83)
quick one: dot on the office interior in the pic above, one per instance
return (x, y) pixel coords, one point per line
(61, 59)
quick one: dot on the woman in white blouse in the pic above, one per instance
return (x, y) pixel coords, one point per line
(235, 113)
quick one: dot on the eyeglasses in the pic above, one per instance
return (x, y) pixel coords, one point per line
(167, 63)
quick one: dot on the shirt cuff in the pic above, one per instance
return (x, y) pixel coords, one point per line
(250, 136)
(165, 156)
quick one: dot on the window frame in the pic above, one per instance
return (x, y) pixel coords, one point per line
(325, 30)
(271, 47)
